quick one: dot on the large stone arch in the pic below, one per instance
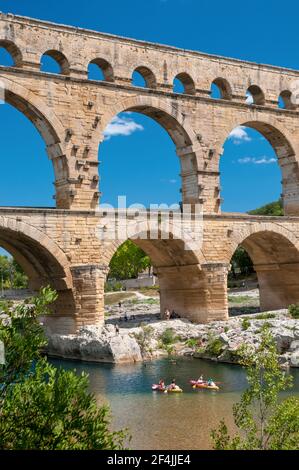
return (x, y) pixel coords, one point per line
(239, 234)
(40, 257)
(45, 264)
(280, 138)
(45, 121)
(186, 285)
(177, 125)
(165, 113)
(274, 251)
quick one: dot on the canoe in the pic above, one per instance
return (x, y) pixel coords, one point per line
(158, 388)
(205, 386)
(174, 390)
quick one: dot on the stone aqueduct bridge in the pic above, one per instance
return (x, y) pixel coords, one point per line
(60, 247)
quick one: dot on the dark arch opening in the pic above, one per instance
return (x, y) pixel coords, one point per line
(54, 61)
(41, 265)
(184, 84)
(144, 77)
(243, 295)
(285, 100)
(255, 95)
(100, 69)
(170, 273)
(276, 261)
(221, 89)
(10, 54)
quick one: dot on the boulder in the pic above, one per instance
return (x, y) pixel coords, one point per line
(96, 345)
(294, 359)
(294, 345)
(224, 338)
(283, 337)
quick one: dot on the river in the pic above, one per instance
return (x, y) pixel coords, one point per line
(160, 421)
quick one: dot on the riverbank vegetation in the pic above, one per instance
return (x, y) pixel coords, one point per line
(43, 407)
(264, 421)
(12, 275)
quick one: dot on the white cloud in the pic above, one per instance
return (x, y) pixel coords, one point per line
(239, 135)
(121, 126)
(170, 181)
(258, 161)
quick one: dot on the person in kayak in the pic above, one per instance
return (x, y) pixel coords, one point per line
(200, 380)
(161, 384)
(211, 383)
(173, 385)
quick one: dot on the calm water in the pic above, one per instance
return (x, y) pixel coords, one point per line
(166, 421)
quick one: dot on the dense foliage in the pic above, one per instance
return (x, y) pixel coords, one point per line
(273, 208)
(128, 261)
(263, 421)
(11, 274)
(242, 262)
(42, 407)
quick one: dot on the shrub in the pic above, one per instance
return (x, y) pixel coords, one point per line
(265, 316)
(144, 337)
(169, 348)
(43, 407)
(294, 311)
(245, 324)
(191, 342)
(214, 346)
(263, 419)
(168, 337)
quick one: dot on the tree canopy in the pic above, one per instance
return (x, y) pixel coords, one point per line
(43, 407)
(273, 208)
(128, 261)
(12, 274)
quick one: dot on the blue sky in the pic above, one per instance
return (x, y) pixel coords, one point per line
(148, 168)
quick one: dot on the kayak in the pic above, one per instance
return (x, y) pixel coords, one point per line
(204, 385)
(174, 390)
(158, 388)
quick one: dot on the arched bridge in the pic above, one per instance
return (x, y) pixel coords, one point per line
(60, 246)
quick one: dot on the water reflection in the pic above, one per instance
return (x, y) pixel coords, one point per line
(163, 421)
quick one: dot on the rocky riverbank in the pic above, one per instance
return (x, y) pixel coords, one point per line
(217, 341)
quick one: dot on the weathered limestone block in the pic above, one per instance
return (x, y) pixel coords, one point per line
(96, 345)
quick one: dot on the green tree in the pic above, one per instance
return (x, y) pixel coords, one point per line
(273, 208)
(263, 422)
(42, 407)
(242, 261)
(128, 261)
(12, 274)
